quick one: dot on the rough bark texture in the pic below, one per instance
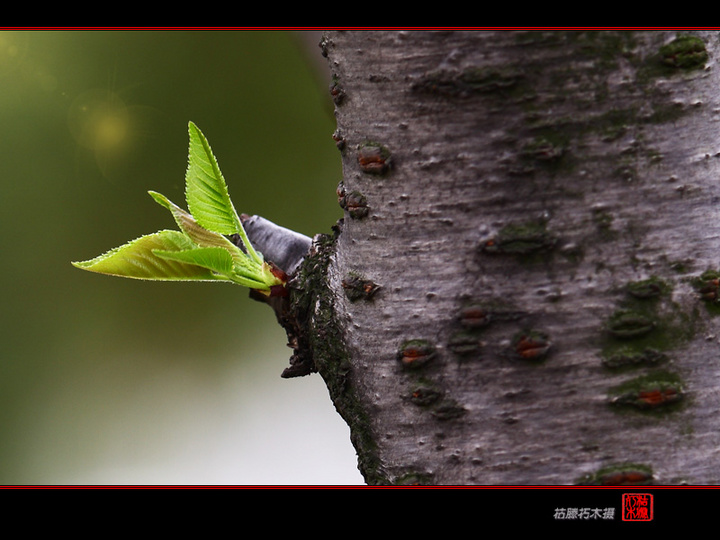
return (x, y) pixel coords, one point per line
(518, 293)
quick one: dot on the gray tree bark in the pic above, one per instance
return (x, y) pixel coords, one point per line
(522, 290)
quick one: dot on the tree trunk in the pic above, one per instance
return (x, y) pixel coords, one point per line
(522, 289)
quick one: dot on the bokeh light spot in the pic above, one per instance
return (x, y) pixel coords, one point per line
(99, 121)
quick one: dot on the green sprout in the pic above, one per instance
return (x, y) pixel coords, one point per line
(200, 251)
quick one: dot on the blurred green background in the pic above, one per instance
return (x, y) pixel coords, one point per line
(111, 381)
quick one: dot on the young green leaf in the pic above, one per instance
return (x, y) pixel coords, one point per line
(199, 235)
(205, 189)
(245, 271)
(207, 194)
(217, 260)
(200, 251)
(137, 259)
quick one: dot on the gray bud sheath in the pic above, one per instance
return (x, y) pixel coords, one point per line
(283, 247)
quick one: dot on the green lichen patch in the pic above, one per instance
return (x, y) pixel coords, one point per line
(521, 239)
(533, 345)
(475, 316)
(543, 149)
(628, 357)
(374, 158)
(625, 474)
(660, 390)
(355, 204)
(465, 344)
(684, 52)
(336, 90)
(613, 132)
(650, 288)
(602, 218)
(475, 79)
(629, 324)
(481, 314)
(425, 393)
(357, 287)
(707, 286)
(468, 82)
(603, 221)
(644, 328)
(416, 353)
(548, 151)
